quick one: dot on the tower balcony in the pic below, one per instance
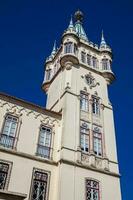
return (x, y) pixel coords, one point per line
(109, 76)
(69, 58)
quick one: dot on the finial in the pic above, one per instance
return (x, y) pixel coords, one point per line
(103, 43)
(78, 16)
(71, 23)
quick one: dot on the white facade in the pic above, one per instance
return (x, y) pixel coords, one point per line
(68, 150)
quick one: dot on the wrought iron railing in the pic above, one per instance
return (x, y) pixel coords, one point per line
(43, 151)
(7, 141)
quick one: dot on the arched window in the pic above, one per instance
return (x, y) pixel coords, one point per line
(68, 47)
(92, 190)
(7, 137)
(84, 102)
(44, 142)
(84, 136)
(95, 105)
(97, 142)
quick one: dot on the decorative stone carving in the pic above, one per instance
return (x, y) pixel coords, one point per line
(90, 80)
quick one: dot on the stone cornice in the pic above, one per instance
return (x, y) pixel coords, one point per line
(29, 105)
(12, 195)
(51, 162)
(90, 168)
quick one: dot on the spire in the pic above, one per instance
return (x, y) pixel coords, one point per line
(54, 49)
(78, 25)
(71, 24)
(103, 43)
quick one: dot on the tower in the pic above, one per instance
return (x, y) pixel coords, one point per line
(76, 81)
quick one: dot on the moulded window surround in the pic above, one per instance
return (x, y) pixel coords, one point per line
(97, 142)
(84, 101)
(40, 185)
(83, 57)
(44, 142)
(84, 136)
(8, 135)
(92, 189)
(105, 64)
(95, 105)
(5, 169)
(68, 47)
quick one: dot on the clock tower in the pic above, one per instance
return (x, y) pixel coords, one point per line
(76, 81)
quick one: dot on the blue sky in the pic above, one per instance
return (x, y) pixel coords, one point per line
(28, 29)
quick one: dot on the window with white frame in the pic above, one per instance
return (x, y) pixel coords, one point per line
(84, 136)
(44, 143)
(95, 105)
(83, 57)
(7, 137)
(88, 59)
(4, 169)
(84, 101)
(39, 190)
(92, 190)
(97, 142)
(68, 47)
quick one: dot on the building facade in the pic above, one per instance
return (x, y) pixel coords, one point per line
(68, 150)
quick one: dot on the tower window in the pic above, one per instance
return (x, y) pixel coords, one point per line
(44, 144)
(8, 135)
(68, 47)
(83, 57)
(84, 103)
(88, 59)
(3, 174)
(39, 185)
(94, 62)
(97, 142)
(48, 74)
(92, 190)
(95, 106)
(105, 64)
(84, 136)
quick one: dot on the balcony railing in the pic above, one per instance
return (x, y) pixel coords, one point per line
(43, 151)
(7, 141)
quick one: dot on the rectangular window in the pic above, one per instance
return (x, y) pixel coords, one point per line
(44, 144)
(105, 64)
(7, 137)
(84, 102)
(83, 57)
(95, 106)
(88, 59)
(4, 167)
(84, 136)
(39, 185)
(92, 190)
(97, 143)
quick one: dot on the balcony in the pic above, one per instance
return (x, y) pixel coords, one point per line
(43, 151)
(7, 141)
